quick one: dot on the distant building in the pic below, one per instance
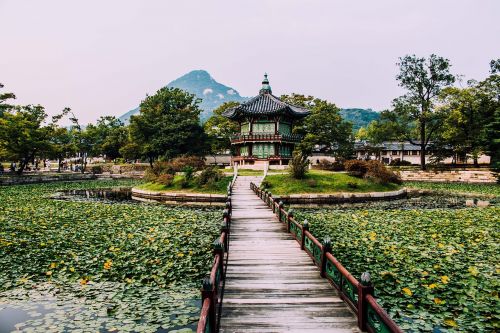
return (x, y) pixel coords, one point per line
(391, 151)
(265, 134)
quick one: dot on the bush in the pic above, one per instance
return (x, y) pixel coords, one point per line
(325, 164)
(398, 162)
(161, 168)
(150, 176)
(96, 169)
(165, 179)
(181, 163)
(352, 185)
(188, 172)
(377, 172)
(298, 165)
(265, 184)
(209, 175)
(356, 168)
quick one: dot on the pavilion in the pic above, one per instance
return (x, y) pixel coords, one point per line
(265, 129)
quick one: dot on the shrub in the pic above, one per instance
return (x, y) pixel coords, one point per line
(265, 184)
(96, 169)
(165, 179)
(180, 163)
(380, 174)
(298, 165)
(184, 182)
(356, 168)
(150, 176)
(161, 168)
(398, 162)
(209, 175)
(325, 164)
(188, 172)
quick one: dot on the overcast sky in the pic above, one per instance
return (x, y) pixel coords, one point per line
(102, 57)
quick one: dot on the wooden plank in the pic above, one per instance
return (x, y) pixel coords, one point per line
(271, 285)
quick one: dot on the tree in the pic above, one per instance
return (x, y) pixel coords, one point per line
(463, 128)
(168, 125)
(61, 145)
(109, 135)
(324, 129)
(3, 98)
(423, 79)
(220, 129)
(23, 135)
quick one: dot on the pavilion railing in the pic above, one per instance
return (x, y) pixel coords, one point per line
(266, 137)
(212, 290)
(358, 295)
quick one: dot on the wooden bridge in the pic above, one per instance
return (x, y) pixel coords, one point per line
(269, 280)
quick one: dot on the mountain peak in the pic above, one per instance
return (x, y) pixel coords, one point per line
(200, 83)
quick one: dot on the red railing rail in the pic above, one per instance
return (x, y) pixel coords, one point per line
(212, 291)
(358, 295)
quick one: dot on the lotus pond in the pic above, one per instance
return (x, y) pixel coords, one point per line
(100, 266)
(435, 263)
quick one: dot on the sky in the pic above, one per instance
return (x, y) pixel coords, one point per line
(103, 57)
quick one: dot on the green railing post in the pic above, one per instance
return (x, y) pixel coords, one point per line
(280, 207)
(327, 247)
(289, 220)
(305, 227)
(365, 288)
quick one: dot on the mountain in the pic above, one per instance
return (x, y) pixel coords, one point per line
(213, 94)
(359, 117)
(201, 84)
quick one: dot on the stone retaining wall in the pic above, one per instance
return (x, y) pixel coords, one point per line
(173, 197)
(324, 199)
(44, 178)
(456, 176)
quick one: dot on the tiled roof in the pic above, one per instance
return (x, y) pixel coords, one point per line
(265, 104)
(386, 145)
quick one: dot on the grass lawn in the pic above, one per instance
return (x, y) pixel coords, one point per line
(318, 181)
(219, 187)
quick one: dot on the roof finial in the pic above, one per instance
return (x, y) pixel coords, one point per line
(266, 88)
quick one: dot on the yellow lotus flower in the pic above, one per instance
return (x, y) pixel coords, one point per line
(438, 301)
(473, 271)
(48, 273)
(53, 265)
(108, 264)
(84, 281)
(445, 279)
(451, 322)
(432, 286)
(72, 269)
(372, 236)
(407, 291)
(180, 254)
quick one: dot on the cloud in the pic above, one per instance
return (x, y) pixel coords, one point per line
(207, 91)
(220, 96)
(231, 92)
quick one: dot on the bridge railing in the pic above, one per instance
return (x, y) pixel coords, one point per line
(212, 290)
(358, 295)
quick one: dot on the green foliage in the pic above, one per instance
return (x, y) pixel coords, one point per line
(220, 129)
(180, 184)
(324, 182)
(359, 117)
(168, 126)
(96, 169)
(298, 165)
(3, 98)
(209, 175)
(431, 268)
(323, 128)
(136, 266)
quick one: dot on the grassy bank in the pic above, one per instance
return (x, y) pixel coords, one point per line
(318, 181)
(218, 187)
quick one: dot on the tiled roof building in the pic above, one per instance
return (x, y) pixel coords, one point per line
(266, 124)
